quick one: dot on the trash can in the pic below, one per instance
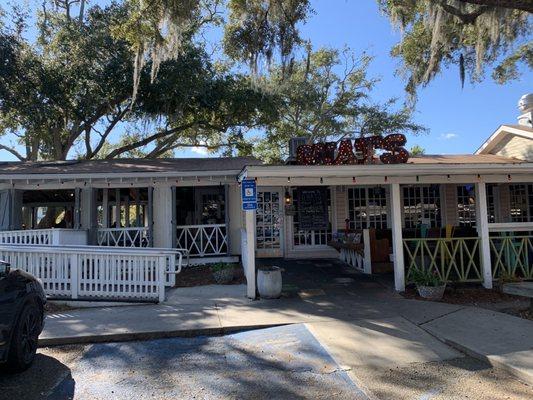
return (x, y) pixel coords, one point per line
(269, 282)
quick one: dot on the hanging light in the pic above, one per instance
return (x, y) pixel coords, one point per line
(288, 198)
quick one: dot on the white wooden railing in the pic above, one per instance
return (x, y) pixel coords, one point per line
(92, 272)
(359, 259)
(203, 240)
(123, 237)
(52, 236)
(30, 236)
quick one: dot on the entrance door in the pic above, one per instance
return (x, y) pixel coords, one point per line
(269, 222)
(310, 239)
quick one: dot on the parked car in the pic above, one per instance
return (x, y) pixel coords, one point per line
(22, 301)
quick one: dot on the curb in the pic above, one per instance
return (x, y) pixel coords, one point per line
(149, 335)
(518, 373)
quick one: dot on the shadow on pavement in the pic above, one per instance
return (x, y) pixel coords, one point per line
(48, 378)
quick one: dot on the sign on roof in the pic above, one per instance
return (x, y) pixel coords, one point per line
(362, 151)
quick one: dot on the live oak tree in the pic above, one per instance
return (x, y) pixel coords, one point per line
(327, 98)
(68, 93)
(475, 35)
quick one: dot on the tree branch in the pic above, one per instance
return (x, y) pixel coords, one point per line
(13, 151)
(522, 5)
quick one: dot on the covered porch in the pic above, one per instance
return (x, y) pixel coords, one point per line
(466, 222)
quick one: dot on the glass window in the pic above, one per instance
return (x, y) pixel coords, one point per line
(521, 199)
(421, 205)
(492, 191)
(466, 205)
(367, 207)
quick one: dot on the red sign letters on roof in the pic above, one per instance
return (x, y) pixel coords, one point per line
(360, 152)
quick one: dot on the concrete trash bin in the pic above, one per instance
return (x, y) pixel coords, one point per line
(269, 282)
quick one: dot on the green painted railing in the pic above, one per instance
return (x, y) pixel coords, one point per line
(512, 256)
(454, 260)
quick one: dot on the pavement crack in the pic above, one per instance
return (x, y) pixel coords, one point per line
(434, 319)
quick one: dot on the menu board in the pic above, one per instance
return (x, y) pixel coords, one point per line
(312, 208)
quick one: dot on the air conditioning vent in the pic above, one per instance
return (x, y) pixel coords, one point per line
(294, 143)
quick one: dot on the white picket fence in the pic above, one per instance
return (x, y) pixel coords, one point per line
(92, 272)
(52, 236)
(123, 237)
(29, 236)
(203, 240)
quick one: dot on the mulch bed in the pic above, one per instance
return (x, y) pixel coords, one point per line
(492, 299)
(199, 275)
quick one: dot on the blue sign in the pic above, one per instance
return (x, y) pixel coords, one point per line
(249, 194)
(249, 206)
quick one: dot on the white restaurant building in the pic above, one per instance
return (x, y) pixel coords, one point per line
(468, 217)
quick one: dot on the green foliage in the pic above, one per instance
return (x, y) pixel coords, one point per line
(221, 266)
(437, 34)
(416, 150)
(68, 92)
(327, 97)
(425, 277)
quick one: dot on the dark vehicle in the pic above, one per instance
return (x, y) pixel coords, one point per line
(22, 302)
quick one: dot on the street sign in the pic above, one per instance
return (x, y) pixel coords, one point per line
(249, 194)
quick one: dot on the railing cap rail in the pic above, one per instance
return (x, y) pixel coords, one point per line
(151, 251)
(200, 226)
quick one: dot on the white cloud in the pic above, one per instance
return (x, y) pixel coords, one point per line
(199, 150)
(448, 136)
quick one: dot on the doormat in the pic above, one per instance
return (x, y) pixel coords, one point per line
(308, 293)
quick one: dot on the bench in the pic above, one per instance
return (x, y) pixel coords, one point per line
(524, 289)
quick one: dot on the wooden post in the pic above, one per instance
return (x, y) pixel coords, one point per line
(250, 253)
(483, 233)
(105, 208)
(161, 269)
(397, 239)
(367, 262)
(74, 279)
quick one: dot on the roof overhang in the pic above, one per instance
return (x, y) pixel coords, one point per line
(119, 179)
(499, 135)
(398, 173)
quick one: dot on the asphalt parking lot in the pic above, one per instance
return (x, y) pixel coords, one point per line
(276, 363)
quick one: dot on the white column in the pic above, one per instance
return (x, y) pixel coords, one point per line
(250, 253)
(162, 211)
(397, 239)
(88, 213)
(367, 262)
(483, 233)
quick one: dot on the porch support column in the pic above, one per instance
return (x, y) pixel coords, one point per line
(162, 212)
(483, 233)
(250, 253)
(88, 213)
(397, 239)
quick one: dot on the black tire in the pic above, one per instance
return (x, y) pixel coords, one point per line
(25, 336)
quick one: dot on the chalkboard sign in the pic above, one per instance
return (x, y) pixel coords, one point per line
(312, 208)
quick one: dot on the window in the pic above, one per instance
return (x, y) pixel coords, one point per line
(492, 192)
(466, 205)
(367, 207)
(521, 199)
(421, 205)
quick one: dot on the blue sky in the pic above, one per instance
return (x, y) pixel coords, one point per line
(459, 120)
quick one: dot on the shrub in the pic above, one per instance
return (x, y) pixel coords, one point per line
(425, 277)
(221, 266)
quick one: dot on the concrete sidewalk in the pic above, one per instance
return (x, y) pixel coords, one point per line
(367, 325)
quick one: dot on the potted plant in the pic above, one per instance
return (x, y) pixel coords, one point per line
(222, 272)
(429, 285)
